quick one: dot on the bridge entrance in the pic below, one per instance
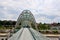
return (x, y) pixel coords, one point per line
(26, 21)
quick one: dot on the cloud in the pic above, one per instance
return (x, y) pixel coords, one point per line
(44, 20)
(47, 19)
(47, 11)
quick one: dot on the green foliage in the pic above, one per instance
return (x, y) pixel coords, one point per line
(33, 26)
(5, 22)
(18, 27)
(55, 32)
(43, 26)
(54, 28)
(1, 27)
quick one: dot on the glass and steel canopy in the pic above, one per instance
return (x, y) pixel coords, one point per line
(26, 18)
(25, 21)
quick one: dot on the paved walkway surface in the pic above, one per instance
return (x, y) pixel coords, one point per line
(28, 34)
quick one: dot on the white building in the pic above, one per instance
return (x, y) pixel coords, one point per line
(5, 34)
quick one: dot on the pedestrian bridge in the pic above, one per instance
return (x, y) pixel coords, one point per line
(28, 25)
(28, 34)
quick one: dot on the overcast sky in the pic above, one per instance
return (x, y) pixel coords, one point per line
(45, 11)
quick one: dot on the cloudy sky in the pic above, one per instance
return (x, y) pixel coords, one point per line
(45, 11)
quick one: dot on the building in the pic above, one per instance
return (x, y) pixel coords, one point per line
(4, 35)
(55, 26)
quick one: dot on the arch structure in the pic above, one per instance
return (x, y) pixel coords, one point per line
(26, 19)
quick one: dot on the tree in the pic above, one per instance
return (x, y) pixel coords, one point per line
(43, 26)
(14, 22)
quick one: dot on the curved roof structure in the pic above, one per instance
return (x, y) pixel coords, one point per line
(25, 20)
